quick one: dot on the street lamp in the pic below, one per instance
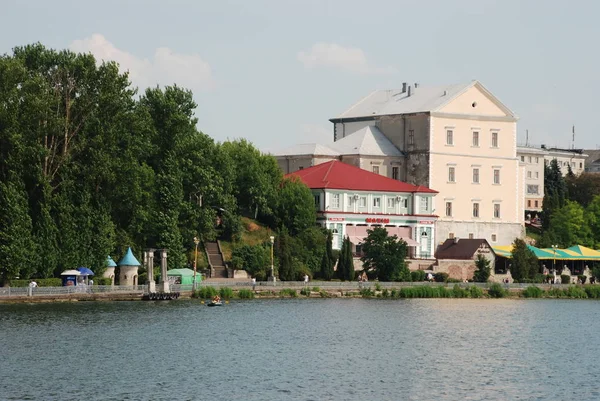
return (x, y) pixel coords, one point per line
(196, 241)
(272, 270)
(554, 260)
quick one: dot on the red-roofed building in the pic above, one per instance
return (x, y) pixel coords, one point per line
(350, 200)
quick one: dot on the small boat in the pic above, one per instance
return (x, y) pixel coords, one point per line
(214, 303)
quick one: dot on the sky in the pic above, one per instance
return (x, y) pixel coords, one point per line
(275, 71)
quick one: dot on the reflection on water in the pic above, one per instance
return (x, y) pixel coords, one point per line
(304, 349)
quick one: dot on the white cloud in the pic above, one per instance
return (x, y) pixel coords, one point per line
(165, 68)
(333, 55)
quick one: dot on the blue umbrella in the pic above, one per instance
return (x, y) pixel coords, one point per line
(85, 271)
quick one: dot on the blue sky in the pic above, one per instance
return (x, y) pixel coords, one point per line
(274, 72)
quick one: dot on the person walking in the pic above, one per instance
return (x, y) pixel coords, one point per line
(253, 283)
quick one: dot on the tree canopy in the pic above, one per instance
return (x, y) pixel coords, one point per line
(385, 255)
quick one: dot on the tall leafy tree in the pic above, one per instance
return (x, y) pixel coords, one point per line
(482, 269)
(524, 263)
(286, 265)
(385, 254)
(295, 208)
(327, 259)
(555, 191)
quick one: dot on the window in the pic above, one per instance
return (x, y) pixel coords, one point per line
(494, 139)
(536, 203)
(317, 201)
(533, 189)
(537, 160)
(362, 201)
(377, 202)
(300, 168)
(376, 169)
(529, 159)
(529, 203)
(405, 203)
(475, 176)
(335, 201)
(529, 174)
(449, 209)
(475, 138)
(424, 204)
(493, 237)
(451, 174)
(475, 209)
(523, 159)
(496, 176)
(537, 174)
(496, 210)
(580, 165)
(395, 173)
(411, 136)
(471, 236)
(391, 202)
(450, 235)
(449, 137)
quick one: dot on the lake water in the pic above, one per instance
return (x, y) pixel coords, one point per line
(302, 349)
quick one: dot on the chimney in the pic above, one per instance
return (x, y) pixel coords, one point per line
(456, 240)
(416, 85)
(403, 87)
(409, 90)
(445, 93)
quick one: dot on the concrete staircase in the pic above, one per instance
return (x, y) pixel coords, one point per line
(215, 258)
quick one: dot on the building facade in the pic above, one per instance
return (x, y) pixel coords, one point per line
(533, 160)
(460, 140)
(593, 161)
(350, 200)
(567, 158)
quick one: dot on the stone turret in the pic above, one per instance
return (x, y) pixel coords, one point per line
(128, 267)
(110, 270)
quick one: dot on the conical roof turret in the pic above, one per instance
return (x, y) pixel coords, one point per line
(129, 259)
(110, 262)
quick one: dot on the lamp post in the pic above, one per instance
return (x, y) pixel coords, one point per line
(272, 270)
(196, 241)
(554, 260)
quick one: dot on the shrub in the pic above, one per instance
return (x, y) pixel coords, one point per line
(565, 279)
(324, 294)
(394, 293)
(377, 287)
(425, 291)
(533, 292)
(288, 292)
(496, 291)
(305, 291)
(385, 293)
(475, 292)
(226, 293)
(205, 292)
(539, 278)
(555, 293)
(366, 293)
(417, 275)
(316, 289)
(440, 277)
(453, 280)
(245, 294)
(42, 282)
(458, 292)
(103, 281)
(550, 278)
(592, 291)
(575, 292)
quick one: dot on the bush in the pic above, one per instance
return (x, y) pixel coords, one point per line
(226, 293)
(324, 294)
(555, 293)
(496, 291)
(367, 293)
(288, 292)
(377, 287)
(385, 293)
(205, 292)
(539, 278)
(424, 291)
(305, 291)
(394, 293)
(565, 279)
(103, 281)
(458, 292)
(533, 292)
(475, 292)
(440, 277)
(575, 292)
(417, 275)
(42, 282)
(592, 291)
(245, 294)
(453, 280)
(316, 289)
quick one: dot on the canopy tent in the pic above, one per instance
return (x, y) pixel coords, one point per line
(186, 276)
(565, 254)
(505, 251)
(586, 252)
(69, 277)
(84, 271)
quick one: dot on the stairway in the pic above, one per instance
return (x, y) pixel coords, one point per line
(215, 258)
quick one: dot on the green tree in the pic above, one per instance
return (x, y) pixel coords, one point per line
(584, 188)
(295, 208)
(255, 259)
(385, 254)
(287, 271)
(327, 259)
(592, 213)
(555, 191)
(524, 263)
(482, 269)
(349, 270)
(569, 225)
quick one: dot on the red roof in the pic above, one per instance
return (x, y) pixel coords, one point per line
(338, 175)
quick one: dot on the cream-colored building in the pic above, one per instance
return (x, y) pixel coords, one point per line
(574, 158)
(460, 140)
(532, 159)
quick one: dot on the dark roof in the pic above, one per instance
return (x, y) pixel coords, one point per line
(339, 175)
(461, 249)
